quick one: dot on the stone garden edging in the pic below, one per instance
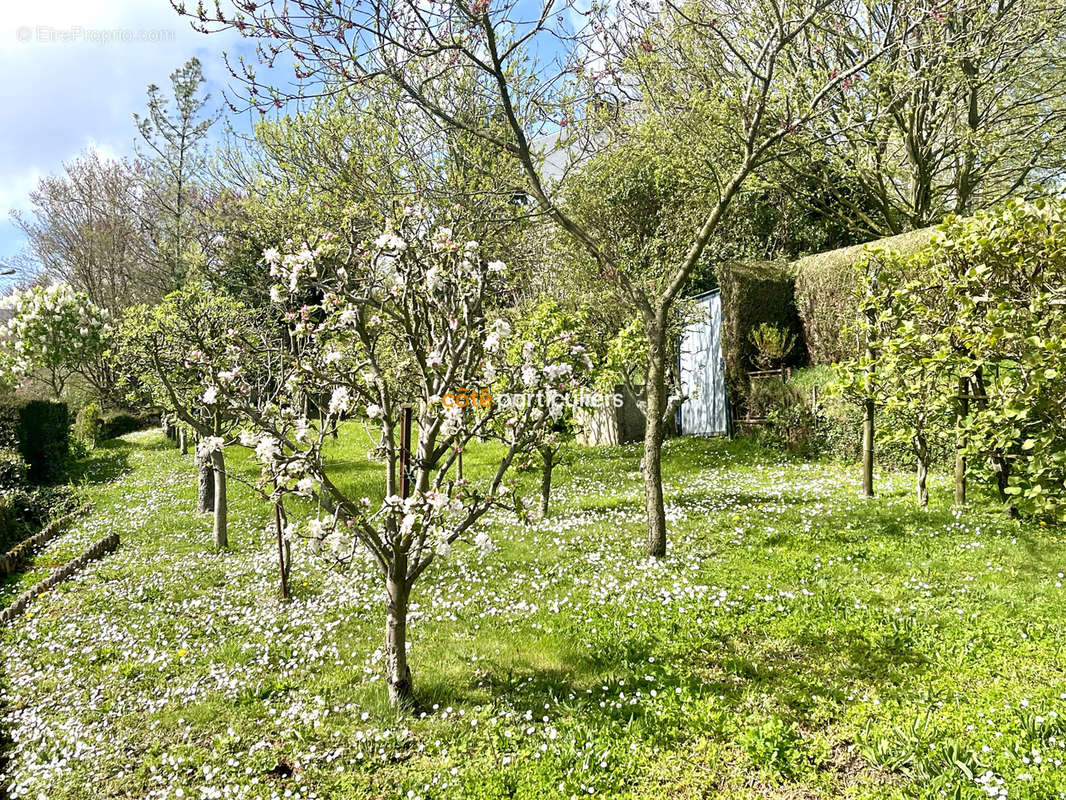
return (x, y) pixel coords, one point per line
(10, 560)
(105, 545)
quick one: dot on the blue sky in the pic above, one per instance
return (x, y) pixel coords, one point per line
(75, 72)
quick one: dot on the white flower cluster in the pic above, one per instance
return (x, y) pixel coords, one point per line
(291, 268)
(51, 325)
(208, 445)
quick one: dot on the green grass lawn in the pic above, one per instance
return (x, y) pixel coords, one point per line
(798, 642)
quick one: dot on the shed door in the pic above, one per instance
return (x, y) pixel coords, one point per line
(705, 412)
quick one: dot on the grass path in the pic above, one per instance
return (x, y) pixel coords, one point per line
(797, 642)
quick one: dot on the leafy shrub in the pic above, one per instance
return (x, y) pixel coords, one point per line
(41, 431)
(13, 469)
(826, 424)
(119, 423)
(981, 310)
(88, 424)
(773, 344)
(24, 511)
(791, 424)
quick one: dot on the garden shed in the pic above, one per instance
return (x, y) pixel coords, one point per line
(701, 366)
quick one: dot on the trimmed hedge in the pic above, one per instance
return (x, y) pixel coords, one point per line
(119, 423)
(754, 292)
(40, 429)
(826, 294)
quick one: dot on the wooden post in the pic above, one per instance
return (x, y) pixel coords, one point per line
(405, 451)
(962, 408)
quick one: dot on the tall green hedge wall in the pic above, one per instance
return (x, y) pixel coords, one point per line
(826, 294)
(40, 430)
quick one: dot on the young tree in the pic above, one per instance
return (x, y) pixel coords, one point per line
(401, 325)
(174, 131)
(548, 320)
(907, 378)
(179, 350)
(1001, 323)
(726, 82)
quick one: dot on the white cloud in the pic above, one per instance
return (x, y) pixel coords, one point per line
(75, 73)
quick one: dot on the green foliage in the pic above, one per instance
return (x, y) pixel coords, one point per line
(791, 425)
(773, 344)
(641, 202)
(176, 353)
(174, 133)
(118, 423)
(773, 745)
(826, 298)
(25, 510)
(88, 424)
(13, 469)
(972, 116)
(1006, 291)
(984, 302)
(829, 423)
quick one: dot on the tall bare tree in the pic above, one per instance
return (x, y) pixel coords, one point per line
(84, 229)
(973, 115)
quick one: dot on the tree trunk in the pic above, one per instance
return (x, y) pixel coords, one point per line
(283, 554)
(548, 456)
(868, 402)
(655, 391)
(921, 450)
(183, 441)
(205, 490)
(218, 464)
(868, 448)
(961, 410)
(397, 673)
